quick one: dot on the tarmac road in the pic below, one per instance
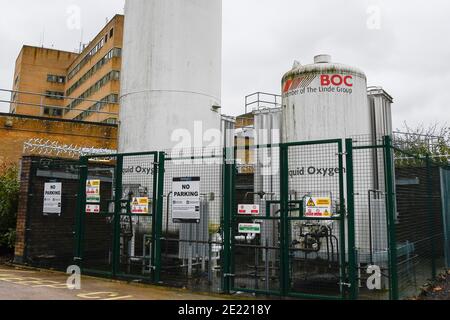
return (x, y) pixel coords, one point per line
(29, 284)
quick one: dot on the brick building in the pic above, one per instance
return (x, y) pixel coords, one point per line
(74, 86)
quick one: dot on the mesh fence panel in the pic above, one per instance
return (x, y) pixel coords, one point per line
(419, 226)
(136, 222)
(98, 225)
(49, 236)
(371, 230)
(445, 189)
(256, 256)
(192, 251)
(316, 257)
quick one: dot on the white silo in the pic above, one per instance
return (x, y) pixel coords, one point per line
(171, 74)
(327, 100)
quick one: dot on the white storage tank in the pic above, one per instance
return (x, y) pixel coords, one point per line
(327, 100)
(324, 100)
(171, 74)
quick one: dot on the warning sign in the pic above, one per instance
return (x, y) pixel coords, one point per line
(318, 208)
(186, 199)
(52, 198)
(248, 209)
(93, 191)
(92, 208)
(139, 206)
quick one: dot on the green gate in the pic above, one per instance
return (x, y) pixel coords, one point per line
(118, 231)
(126, 226)
(314, 204)
(294, 243)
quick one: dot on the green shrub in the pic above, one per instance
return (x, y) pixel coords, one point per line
(9, 198)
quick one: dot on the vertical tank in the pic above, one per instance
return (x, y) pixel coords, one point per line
(324, 100)
(380, 103)
(327, 100)
(171, 74)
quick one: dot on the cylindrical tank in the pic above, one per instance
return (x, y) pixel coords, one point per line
(171, 75)
(324, 100)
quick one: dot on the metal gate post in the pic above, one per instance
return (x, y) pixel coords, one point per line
(117, 215)
(159, 216)
(390, 210)
(284, 197)
(430, 218)
(227, 214)
(80, 211)
(352, 268)
(154, 213)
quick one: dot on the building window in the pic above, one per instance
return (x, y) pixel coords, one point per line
(54, 95)
(115, 52)
(86, 58)
(111, 33)
(110, 121)
(110, 99)
(56, 79)
(113, 75)
(53, 112)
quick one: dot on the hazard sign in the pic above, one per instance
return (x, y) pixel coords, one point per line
(92, 208)
(139, 206)
(93, 191)
(248, 209)
(318, 208)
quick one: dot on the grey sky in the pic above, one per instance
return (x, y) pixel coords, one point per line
(409, 55)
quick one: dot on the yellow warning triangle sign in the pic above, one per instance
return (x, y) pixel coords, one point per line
(311, 203)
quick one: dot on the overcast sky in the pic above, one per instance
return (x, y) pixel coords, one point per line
(402, 45)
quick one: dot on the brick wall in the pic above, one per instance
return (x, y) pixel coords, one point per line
(16, 129)
(22, 209)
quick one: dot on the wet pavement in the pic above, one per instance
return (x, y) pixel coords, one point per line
(31, 284)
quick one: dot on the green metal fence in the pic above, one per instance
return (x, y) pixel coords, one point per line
(420, 224)
(334, 219)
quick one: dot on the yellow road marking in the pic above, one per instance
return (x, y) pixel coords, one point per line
(118, 298)
(41, 283)
(102, 296)
(21, 271)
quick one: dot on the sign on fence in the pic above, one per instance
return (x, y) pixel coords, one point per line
(52, 198)
(318, 208)
(186, 199)
(139, 206)
(92, 208)
(248, 209)
(250, 228)
(93, 191)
